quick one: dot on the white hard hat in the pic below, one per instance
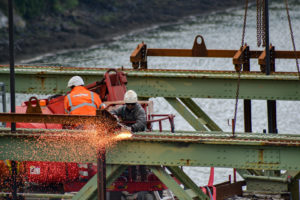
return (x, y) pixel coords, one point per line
(130, 97)
(75, 81)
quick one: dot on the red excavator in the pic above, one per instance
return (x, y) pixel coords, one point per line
(71, 177)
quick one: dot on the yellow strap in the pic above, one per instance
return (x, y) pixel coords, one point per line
(8, 163)
(18, 167)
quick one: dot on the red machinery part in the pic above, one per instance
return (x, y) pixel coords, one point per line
(51, 172)
(45, 110)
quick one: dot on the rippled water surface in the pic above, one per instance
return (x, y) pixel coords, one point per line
(221, 30)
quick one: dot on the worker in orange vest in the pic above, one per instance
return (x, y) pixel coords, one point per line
(81, 101)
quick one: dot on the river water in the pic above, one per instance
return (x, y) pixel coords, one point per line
(221, 30)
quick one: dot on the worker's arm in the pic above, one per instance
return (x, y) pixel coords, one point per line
(141, 122)
(118, 111)
(66, 105)
(100, 105)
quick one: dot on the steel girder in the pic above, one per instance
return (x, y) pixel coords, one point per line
(89, 190)
(172, 184)
(245, 151)
(163, 83)
(187, 182)
(196, 123)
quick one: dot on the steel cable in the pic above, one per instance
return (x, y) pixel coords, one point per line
(238, 69)
(245, 21)
(292, 36)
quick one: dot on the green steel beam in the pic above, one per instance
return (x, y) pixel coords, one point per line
(163, 83)
(170, 183)
(204, 118)
(186, 114)
(211, 125)
(215, 85)
(186, 181)
(245, 151)
(89, 190)
(294, 184)
(47, 80)
(113, 172)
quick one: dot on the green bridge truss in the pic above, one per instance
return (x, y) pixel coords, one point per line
(207, 146)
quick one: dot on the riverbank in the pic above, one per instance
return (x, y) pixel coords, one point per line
(88, 25)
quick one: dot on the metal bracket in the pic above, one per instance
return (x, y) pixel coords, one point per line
(199, 50)
(139, 57)
(241, 58)
(33, 109)
(262, 59)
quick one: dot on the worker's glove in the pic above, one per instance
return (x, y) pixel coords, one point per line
(117, 118)
(128, 128)
(125, 129)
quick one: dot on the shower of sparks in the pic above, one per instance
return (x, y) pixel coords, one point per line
(77, 147)
(93, 137)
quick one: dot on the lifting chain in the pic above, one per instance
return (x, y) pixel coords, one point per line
(263, 23)
(238, 69)
(292, 36)
(260, 23)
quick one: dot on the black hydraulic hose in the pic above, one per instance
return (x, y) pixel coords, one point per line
(271, 104)
(12, 63)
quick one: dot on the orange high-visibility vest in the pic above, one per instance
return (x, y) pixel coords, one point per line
(81, 101)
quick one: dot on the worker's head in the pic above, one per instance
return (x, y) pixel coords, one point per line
(75, 81)
(130, 99)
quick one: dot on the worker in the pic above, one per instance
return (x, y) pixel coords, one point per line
(132, 111)
(81, 101)
(134, 116)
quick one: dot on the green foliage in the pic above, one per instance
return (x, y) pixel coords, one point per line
(33, 8)
(4, 6)
(60, 6)
(108, 18)
(30, 8)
